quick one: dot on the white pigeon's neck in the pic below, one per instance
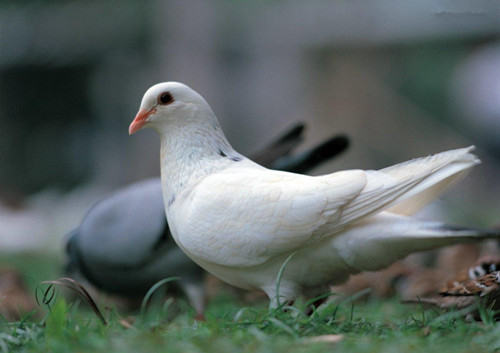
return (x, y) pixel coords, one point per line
(191, 151)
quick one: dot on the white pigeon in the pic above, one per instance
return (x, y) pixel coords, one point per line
(241, 221)
(123, 244)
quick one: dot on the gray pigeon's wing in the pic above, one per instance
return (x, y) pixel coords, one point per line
(125, 228)
(123, 244)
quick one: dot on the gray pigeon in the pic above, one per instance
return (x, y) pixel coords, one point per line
(123, 245)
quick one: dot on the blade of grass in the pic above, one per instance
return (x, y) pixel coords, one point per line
(319, 297)
(153, 289)
(47, 296)
(239, 314)
(70, 283)
(355, 296)
(295, 310)
(455, 314)
(284, 327)
(278, 279)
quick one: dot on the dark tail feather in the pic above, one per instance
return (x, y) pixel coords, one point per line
(280, 147)
(310, 159)
(292, 135)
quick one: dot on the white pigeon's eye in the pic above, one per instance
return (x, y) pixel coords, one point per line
(165, 98)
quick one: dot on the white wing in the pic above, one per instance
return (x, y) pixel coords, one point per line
(244, 216)
(406, 187)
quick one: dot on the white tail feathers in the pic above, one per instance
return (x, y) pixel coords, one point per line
(443, 169)
(397, 236)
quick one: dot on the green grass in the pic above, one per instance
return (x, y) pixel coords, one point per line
(374, 326)
(233, 326)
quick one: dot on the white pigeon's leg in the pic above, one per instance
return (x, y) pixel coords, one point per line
(288, 292)
(195, 293)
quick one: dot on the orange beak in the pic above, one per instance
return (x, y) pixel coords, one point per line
(140, 120)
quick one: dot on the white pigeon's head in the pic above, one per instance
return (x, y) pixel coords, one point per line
(165, 102)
